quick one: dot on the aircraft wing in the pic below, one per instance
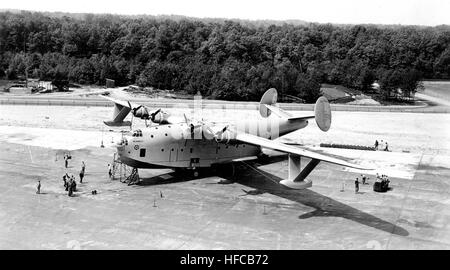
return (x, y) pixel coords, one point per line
(122, 108)
(121, 102)
(302, 117)
(255, 140)
(97, 92)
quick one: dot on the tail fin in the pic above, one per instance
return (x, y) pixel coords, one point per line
(322, 112)
(267, 105)
(269, 98)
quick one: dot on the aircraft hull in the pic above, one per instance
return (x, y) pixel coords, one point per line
(174, 146)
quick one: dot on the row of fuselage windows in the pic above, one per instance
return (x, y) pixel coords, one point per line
(138, 132)
(143, 151)
(191, 150)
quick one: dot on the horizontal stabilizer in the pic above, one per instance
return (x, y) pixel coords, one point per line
(279, 112)
(283, 114)
(301, 117)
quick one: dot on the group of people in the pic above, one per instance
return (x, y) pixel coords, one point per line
(69, 184)
(365, 181)
(382, 146)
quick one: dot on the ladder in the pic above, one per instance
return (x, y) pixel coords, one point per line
(133, 178)
(119, 169)
(124, 173)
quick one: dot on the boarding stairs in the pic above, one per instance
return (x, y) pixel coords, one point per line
(133, 178)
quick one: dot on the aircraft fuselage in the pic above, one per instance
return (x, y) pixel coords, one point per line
(178, 146)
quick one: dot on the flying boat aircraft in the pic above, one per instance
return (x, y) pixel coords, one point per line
(183, 143)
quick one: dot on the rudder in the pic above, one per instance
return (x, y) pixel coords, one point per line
(322, 112)
(269, 98)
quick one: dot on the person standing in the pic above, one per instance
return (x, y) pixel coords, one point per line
(83, 167)
(74, 184)
(66, 180)
(38, 191)
(376, 144)
(109, 171)
(66, 160)
(70, 188)
(356, 186)
(81, 176)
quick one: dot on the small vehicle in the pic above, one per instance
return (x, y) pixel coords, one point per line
(381, 186)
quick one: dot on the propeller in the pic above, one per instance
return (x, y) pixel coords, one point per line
(223, 135)
(207, 128)
(190, 122)
(218, 136)
(153, 114)
(142, 112)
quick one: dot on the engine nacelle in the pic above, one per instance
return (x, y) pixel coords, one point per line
(142, 113)
(219, 134)
(160, 118)
(225, 137)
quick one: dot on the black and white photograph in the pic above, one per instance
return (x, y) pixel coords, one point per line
(225, 125)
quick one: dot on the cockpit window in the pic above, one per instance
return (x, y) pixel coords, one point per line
(137, 133)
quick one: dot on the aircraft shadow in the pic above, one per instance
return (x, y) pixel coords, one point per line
(324, 206)
(159, 180)
(221, 171)
(258, 180)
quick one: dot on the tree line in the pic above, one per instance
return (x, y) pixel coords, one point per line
(224, 59)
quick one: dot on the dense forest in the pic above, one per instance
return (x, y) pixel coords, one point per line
(231, 60)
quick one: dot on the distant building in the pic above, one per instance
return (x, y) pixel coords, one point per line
(20, 90)
(47, 85)
(33, 83)
(110, 83)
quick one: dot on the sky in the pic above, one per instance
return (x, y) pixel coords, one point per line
(406, 12)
